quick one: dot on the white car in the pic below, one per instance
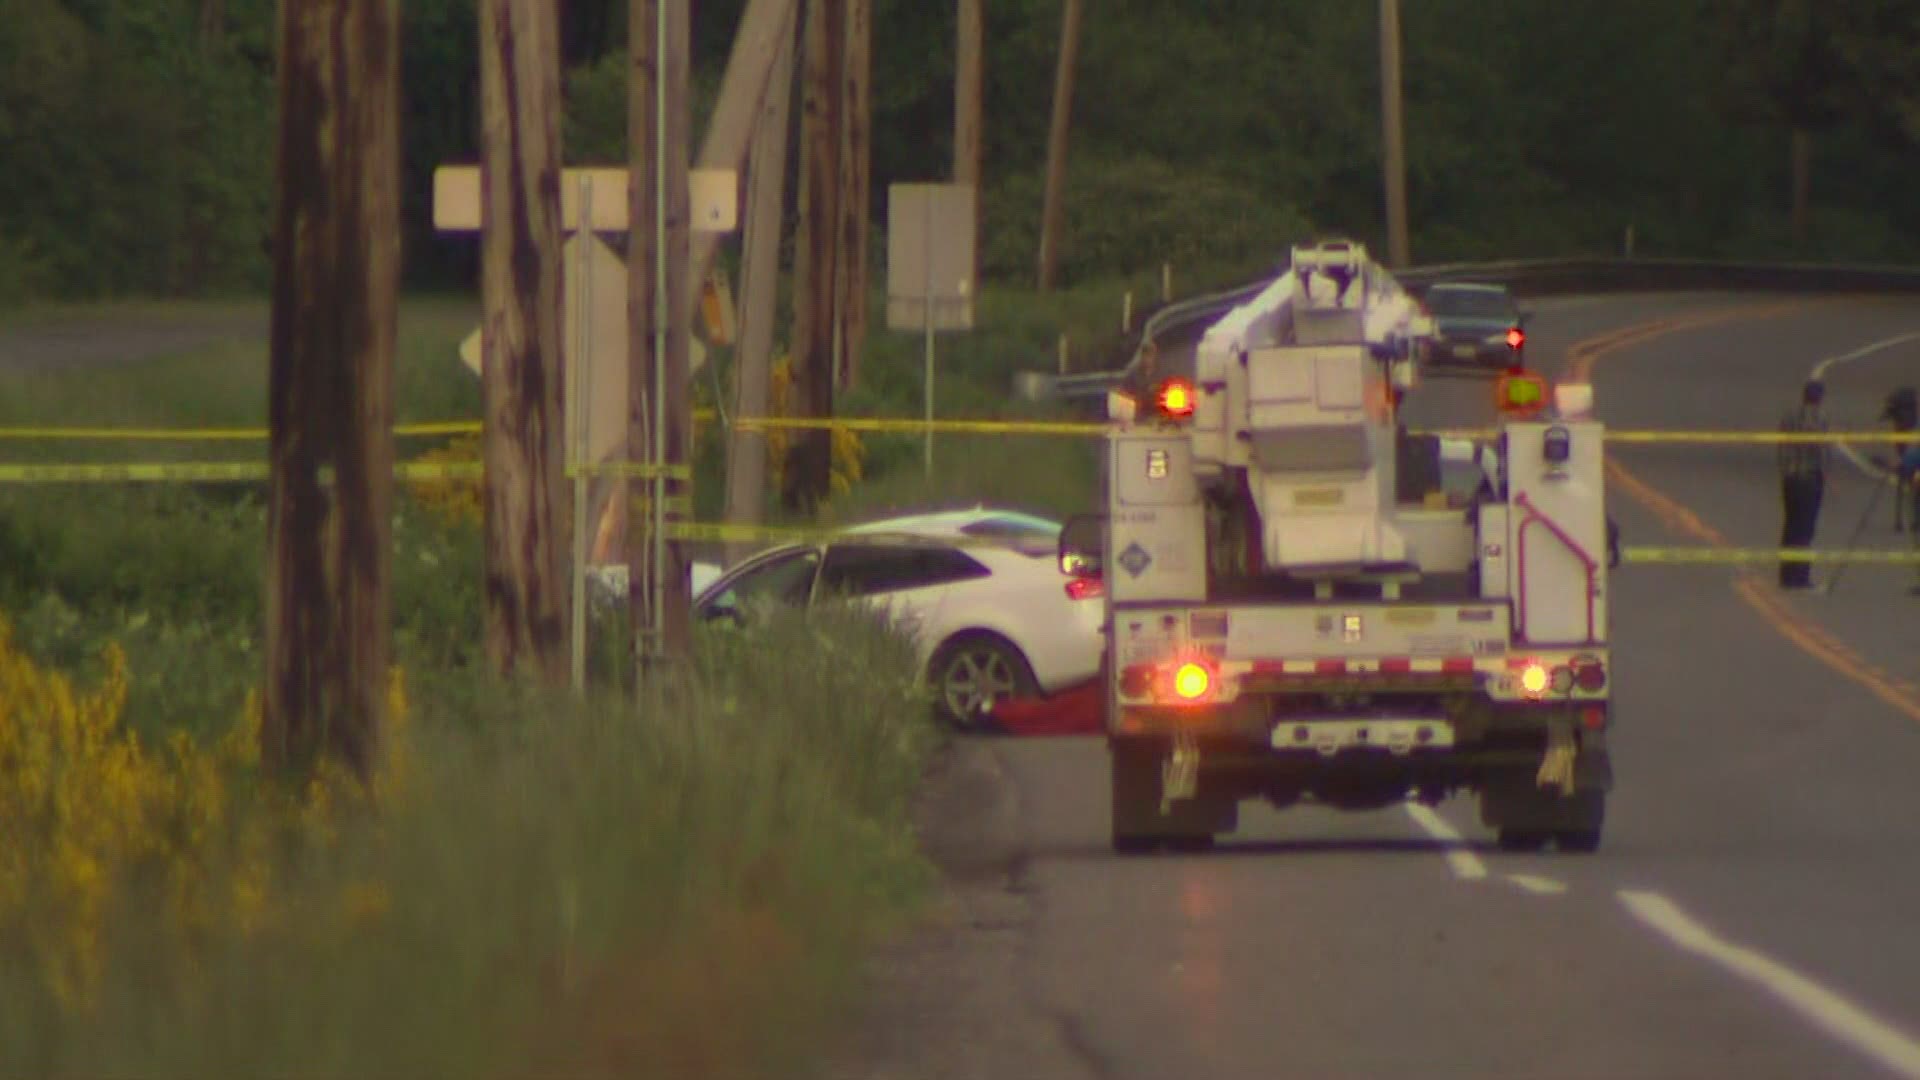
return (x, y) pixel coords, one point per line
(993, 619)
(1025, 531)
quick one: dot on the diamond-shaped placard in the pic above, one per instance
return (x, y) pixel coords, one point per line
(1135, 559)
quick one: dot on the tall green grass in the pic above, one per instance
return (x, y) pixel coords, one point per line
(568, 887)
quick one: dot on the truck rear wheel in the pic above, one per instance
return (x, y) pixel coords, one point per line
(1527, 818)
(1139, 826)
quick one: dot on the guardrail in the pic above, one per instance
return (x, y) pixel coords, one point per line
(1534, 278)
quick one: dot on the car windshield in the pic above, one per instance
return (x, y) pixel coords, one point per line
(1472, 303)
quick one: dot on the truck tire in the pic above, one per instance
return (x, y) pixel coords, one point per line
(1138, 826)
(1527, 818)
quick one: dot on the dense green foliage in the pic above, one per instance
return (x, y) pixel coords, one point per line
(136, 135)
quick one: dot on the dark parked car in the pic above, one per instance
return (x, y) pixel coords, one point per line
(1475, 324)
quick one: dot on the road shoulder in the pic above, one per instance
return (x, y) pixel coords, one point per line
(951, 997)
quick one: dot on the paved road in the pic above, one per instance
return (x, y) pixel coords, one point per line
(1751, 913)
(81, 338)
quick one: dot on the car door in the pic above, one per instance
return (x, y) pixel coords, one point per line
(784, 577)
(909, 581)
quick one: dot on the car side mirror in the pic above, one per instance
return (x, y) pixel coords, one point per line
(1083, 545)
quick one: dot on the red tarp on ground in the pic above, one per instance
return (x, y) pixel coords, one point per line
(1077, 710)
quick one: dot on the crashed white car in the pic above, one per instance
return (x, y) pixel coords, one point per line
(994, 618)
(1022, 530)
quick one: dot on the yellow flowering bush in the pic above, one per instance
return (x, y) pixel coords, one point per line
(453, 500)
(86, 811)
(849, 453)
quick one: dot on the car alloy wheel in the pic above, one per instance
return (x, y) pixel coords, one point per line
(976, 673)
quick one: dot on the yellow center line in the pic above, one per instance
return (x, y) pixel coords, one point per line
(1811, 637)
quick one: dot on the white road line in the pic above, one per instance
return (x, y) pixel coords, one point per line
(1538, 886)
(1464, 864)
(1844, 1020)
(1820, 372)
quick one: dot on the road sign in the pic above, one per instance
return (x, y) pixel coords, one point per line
(930, 258)
(930, 267)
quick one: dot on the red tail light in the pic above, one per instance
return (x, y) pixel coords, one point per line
(1516, 337)
(1590, 674)
(1086, 588)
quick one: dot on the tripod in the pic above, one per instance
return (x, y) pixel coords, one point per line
(1879, 489)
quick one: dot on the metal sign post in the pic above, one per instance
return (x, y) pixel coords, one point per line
(930, 261)
(577, 374)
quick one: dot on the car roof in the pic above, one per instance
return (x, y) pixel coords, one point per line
(951, 521)
(1467, 286)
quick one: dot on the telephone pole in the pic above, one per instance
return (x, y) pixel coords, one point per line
(969, 94)
(809, 473)
(658, 318)
(760, 259)
(523, 445)
(336, 265)
(1398, 254)
(1051, 210)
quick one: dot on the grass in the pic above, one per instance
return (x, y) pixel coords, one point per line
(565, 884)
(556, 887)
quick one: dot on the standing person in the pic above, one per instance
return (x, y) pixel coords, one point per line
(1803, 473)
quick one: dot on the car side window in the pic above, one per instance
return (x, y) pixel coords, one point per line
(784, 580)
(869, 569)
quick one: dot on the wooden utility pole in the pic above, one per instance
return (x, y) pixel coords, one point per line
(1395, 164)
(855, 192)
(809, 473)
(523, 442)
(659, 317)
(766, 196)
(969, 100)
(1052, 210)
(766, 26)
(336, 271)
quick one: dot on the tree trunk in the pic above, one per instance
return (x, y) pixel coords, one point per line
(1801, 151)
(809, 474)
(969, 100)
(525, 501)
(330, 383)
(1052, 210)
(759, 307)
(855, 172)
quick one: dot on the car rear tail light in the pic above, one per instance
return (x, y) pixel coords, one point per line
(1085, 588)
(1516, 337)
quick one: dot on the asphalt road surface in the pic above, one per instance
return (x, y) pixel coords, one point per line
(1753, 912)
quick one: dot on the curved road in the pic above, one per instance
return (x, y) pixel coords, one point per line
(1750, 913)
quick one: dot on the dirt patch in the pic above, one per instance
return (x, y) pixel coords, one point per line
(953, 997)
(68, 341)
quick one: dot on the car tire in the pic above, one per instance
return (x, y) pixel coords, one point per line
(971, 671)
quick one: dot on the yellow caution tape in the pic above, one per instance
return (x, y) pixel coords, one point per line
(916, 427)
(204, 472)
(422, 429)
(1736, 556)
